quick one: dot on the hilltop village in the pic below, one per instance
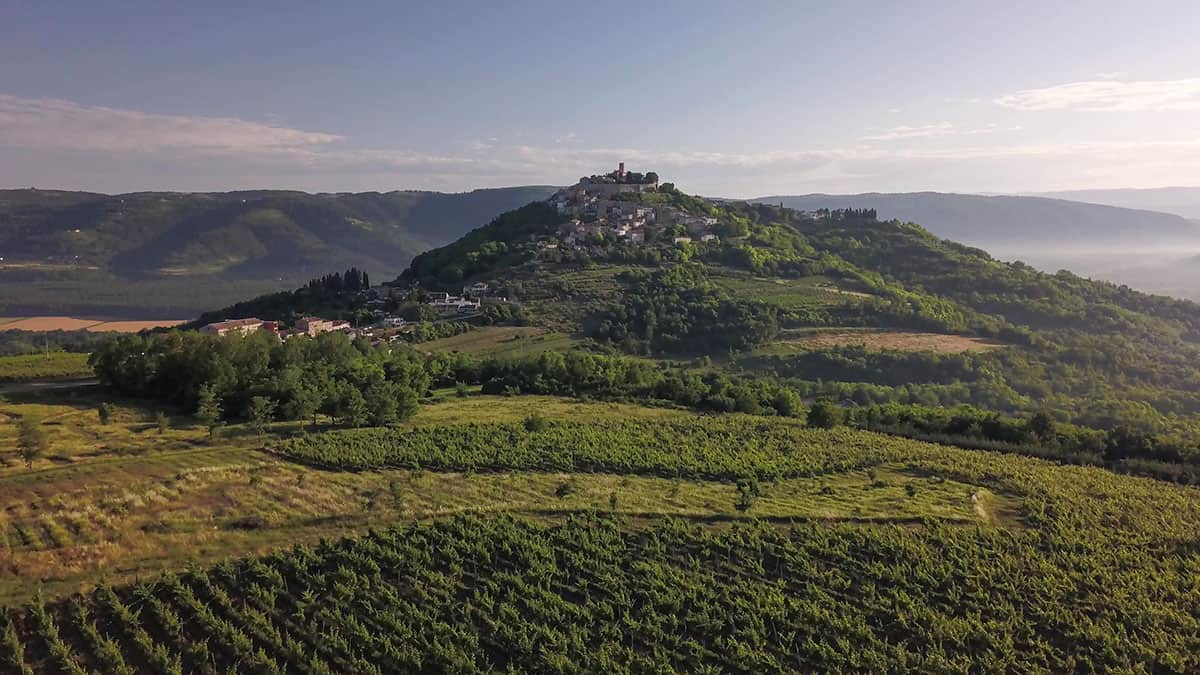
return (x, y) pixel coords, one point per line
(613, 205)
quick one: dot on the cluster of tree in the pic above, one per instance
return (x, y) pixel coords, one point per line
(352, 280)
(582, 374)
(14, 342)
(257, 376)
(484, 249)
(428, 330)
(1122, 447)
(856, 363)
(333, 296)
(677, 310)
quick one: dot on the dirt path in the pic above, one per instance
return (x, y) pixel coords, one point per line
(45, 385)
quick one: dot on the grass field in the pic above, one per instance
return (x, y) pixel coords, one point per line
(39, 323)
(785, 293)
(793, 341)
(25, 367)
(501, 341)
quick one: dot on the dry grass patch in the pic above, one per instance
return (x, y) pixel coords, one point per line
(880, 340)
(501, 340)
(38, 323)
(484, 409)
(72, 535)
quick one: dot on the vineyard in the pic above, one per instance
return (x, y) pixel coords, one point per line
(665, 543)
(25, 367)
(720, 448)
(589, 595)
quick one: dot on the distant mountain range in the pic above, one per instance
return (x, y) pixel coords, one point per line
(275, 235)
(1183, 201)
(167, 254)
(1012, 221)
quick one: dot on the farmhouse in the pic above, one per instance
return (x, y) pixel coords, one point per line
(313, 326)
(240, 326)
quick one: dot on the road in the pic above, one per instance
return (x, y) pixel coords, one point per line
(46, 385)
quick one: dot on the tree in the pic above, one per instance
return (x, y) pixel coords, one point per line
(208, 409)
(32, 440)
(824, 415)
(162, 422)
(382, 406)
(1042, 426)
(260, 411)
(748, 492)
(650, 177)
(305, 402)
(105, 411)
(786, 403)
(351, 407)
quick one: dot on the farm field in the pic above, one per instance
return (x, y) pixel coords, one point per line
(122, 501)
(875, 340)
(501, 340)
(44, 323)
(545, 515)
(25, 367)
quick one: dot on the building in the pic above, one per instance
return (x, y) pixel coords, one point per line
(477, 288)
(453, 303)
(709, 237)
(313, 326)
(239, 326)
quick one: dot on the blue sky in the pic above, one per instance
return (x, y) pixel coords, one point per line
(732, 99)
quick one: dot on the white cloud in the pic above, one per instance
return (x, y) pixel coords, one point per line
(1109, 95)
(64, 125)
(52, 143)
(900, 132)
(931, 130)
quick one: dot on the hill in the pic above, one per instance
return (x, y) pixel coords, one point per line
(740, 283)
(81, 251)
(1183, 201)
(1013, 222)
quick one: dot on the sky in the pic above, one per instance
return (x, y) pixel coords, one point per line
(725, 99)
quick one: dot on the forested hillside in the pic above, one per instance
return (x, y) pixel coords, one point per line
(180, 253)
(1012, 221)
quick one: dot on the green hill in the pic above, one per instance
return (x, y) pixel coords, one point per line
(833, 303)
(72, 251)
